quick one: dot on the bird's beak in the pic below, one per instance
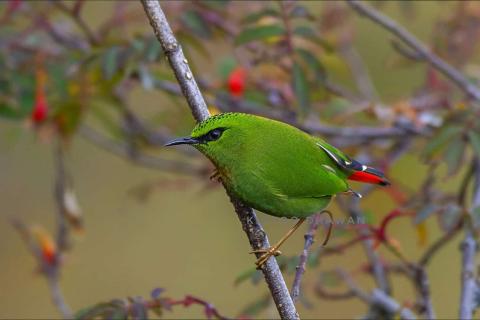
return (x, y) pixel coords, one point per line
(185, 140)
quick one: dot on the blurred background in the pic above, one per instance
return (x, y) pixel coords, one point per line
(84, 84)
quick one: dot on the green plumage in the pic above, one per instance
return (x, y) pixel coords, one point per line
(271, 166)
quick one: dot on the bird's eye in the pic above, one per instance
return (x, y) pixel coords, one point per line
(215, 134)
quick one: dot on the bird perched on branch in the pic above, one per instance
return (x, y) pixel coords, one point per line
(276, 168)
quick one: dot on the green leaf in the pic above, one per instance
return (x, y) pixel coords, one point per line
(309, 34)
(195, 23)
(98, 310)
(257, 306)
(304, 31)
(146, 77)
(254, 17)
(226, 66)
(153, 50)
(192, 41)
(257, 98)
(137, 45)
(158, 310)
(291, 264)
(426, 211)
(439, 141)
(215, 4)
(118, 314)
(245, 275)
(114, 309)
(259, 33)
(100, 110)
(450, 215)
(4, 83)
(9, 113)
(476, 216)
(23, 86)
(329, 278)
(60, 83)
(313, 259)
(314, 64)
(300, 87)
(454, 155)
(474, 138)
(110, 62)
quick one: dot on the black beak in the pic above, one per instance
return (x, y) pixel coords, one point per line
(185, 140)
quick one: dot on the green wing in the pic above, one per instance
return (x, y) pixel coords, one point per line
(304, 171)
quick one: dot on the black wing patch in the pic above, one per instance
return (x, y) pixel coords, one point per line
(351, 164)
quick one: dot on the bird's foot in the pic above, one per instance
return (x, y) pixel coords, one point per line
(267, 253)
(215, 175)
(356, 194)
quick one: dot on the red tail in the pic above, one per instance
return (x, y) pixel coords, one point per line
(369, 177)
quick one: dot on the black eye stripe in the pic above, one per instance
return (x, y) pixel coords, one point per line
(212, 135)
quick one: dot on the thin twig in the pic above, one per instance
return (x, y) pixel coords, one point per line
(226, 104)
(52, 273)
(423, 286)
(309, 239)
(389, 24)
(377, 267)
(58, 298)
(359, 72)
(49, 270)
(59, 193)
(377, 297)
(144, 160)
(437, 245)
(469, 248)
(256, 235)
(378, 270)
(74, 13)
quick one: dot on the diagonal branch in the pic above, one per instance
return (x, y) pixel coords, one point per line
(309, 239)
(418, 47)
(256, 235)
(377, 297)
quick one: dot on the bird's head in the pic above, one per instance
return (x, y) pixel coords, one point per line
(219, 137)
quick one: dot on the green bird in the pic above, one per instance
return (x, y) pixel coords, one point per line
(276, 168)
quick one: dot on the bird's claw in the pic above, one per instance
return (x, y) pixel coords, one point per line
(267, 253)
(215, 175)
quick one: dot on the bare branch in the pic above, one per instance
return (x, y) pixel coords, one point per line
(57, 297)
(256, 235)
(437, 245)
(50, 269)
(377, 297)
(225, 104)
(74, 14)
(52, 272)
(177, 60)
(59, 193)
(423, 52)
(420, 280)
(469, 248)
(309, 239)
(144, 160)
(359, 72)
(377, 267)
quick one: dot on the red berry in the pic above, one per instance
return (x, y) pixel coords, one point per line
(236, 81)
(40, 109)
